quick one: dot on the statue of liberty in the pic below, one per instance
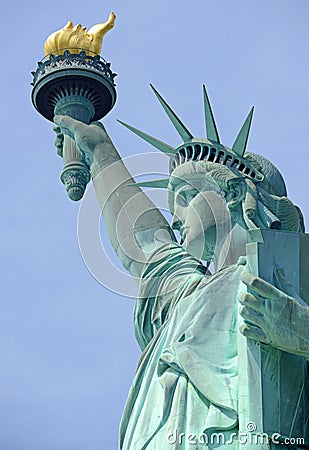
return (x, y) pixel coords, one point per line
(194, 327)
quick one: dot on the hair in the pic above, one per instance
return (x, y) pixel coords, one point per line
(265, 204)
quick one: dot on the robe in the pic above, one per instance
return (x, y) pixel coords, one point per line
(185, 386)
(185, 391)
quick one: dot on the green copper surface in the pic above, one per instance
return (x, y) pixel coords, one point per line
(180, 127)
(223, 353)
(211, 128)
(241, 141)
(154, 184)
(162, 146)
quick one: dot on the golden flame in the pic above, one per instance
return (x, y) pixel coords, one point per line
(77, 38)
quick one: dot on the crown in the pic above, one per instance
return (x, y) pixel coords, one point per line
(201, 149)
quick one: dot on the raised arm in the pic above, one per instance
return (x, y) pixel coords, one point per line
(136, 228)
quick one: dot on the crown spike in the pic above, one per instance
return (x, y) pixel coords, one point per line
(180, 127)
(162, 183)
(165, 148)
(211, 129)
(240, 143)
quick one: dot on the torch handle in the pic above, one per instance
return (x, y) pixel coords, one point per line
(70, 151)
(75, 174)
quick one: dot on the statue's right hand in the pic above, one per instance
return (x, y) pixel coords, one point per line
(87, 137)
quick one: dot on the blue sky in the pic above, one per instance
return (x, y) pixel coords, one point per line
(67, 347)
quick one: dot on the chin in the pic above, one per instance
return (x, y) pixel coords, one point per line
(199, 249)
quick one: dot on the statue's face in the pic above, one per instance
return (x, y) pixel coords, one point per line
(201, 216)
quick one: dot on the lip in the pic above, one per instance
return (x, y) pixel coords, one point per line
(184, 232)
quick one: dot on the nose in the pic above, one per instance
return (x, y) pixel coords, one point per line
(178, 218)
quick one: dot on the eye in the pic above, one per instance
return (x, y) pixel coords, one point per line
(185, 197)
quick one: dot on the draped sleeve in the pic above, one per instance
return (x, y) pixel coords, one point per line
(169, 275)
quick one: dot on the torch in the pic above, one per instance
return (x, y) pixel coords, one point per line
(74, 80)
